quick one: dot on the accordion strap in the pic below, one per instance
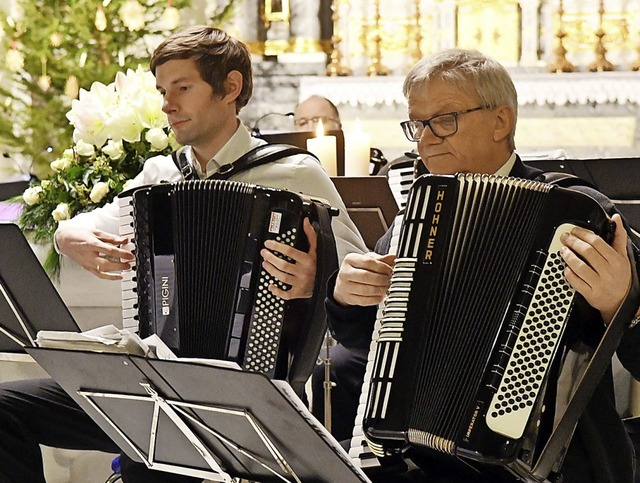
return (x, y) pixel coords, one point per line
(327, 263)
(600, 360)
(564, 180)
(263, 154)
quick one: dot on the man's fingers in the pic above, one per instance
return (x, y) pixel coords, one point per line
(620, 237)
(312, 236)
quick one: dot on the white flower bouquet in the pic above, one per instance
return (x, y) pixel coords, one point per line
(117, 127)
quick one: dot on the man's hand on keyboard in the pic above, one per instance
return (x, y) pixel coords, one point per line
(293, 268)
(363, 279)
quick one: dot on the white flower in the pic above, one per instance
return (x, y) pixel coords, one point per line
(84, 149)
(113, 149)
(14, 60)
(170, 18)
(60, 164)
(157, 138)
(127, 184)
(90, 113)
(61, 212)
(68, 154)
(100, 189)
(118, 111)
(125, 123)
(31, 196)
(132, 15)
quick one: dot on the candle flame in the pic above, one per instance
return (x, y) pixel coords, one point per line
(319, 128)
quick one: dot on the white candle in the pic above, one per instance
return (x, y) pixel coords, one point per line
(357, 152)
(324, 147)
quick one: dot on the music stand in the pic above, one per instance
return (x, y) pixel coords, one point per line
(29, 302)
(618, 178)
(299, 139)
(9, 189)
(182, 417)
(370, 204)
(199, 420)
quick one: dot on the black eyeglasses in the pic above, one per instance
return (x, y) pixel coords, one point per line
(442, 125)
(305, 122)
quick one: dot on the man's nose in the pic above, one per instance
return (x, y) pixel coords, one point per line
(167, 105)
(427, 137)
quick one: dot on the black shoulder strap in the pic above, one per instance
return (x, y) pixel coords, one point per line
(564, 180)
(259, 155)
(315, 317)
(183, 166)
(263, 154)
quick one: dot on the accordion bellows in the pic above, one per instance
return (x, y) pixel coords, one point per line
(199, 277)
(474, 316)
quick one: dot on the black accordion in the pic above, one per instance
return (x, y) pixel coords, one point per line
(474, 317)
(199, 281)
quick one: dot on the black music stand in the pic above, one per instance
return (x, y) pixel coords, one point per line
(618, 178)
(9, 189)
(199, 420)
(29, 302)
(370, 204)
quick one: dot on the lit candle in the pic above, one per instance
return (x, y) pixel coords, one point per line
(324, 147)
(357, 152)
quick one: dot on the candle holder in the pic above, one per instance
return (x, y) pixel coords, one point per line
(336, 67)
(601, 64)
(416, 55)
(636, 65)
(376, 67)
(560, 63)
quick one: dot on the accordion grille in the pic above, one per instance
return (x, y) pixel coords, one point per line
(207, 260)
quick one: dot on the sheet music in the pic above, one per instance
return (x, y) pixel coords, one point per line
(107, 338)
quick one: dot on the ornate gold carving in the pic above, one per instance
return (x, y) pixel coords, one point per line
(491, 27)
(276, 11)
(276, 15)
(582, 26)
(305, 45)
(275, 47)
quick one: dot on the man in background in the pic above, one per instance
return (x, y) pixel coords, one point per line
(314, 109)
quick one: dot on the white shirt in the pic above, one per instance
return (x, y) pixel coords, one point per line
(506, 168)
(300, 173)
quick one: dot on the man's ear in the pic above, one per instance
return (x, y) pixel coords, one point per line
(504, 121)
(232, 86)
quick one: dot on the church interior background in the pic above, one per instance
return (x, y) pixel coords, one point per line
(575, 64)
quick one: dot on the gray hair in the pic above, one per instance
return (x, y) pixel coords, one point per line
(492, 82)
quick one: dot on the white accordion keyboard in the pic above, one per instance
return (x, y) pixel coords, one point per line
(359, 450)
(128, 291)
